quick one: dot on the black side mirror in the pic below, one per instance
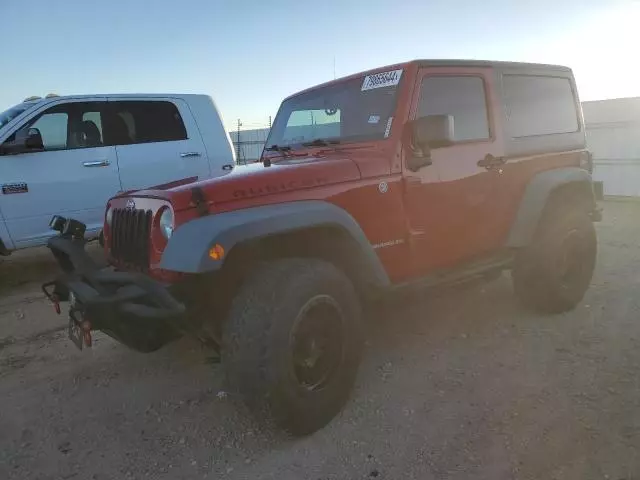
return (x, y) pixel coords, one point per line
(433, 131)
(33, 140)
(427, 133)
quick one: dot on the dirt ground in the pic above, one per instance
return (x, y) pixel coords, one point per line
(456, 385)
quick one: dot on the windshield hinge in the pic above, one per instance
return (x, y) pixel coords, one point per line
(199, 201)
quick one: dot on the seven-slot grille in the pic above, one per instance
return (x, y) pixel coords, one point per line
(130, 236)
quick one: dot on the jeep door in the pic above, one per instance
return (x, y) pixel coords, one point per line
(72, 173)
(157, 141)
(451, 204)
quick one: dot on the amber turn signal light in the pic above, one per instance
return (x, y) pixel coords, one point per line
(216, 252)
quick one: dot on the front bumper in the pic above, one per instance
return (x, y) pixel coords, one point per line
(129, 306)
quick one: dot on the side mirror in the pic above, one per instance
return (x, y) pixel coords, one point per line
(433, 131)
(23, 141)
(33, 140)
(427, 133)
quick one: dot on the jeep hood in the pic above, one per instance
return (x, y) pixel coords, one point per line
(248, 182)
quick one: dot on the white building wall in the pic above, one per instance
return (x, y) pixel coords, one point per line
(613, 136)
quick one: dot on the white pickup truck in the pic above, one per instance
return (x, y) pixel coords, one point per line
(69, 155)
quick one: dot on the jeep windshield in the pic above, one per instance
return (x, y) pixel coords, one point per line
(13, 112)
(359, 109)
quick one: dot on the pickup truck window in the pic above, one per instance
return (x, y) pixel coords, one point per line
(355, 110)
(67, 126)
(54, 128)
(463, 97)
(538, 105)
(145, 122)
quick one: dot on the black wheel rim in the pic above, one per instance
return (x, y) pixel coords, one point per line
(317, 343)
(572, 260)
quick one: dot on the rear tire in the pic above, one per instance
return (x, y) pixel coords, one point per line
(292, 342)
(552, 274)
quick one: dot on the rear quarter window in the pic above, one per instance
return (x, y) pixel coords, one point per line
(135, 122)
(539, 105)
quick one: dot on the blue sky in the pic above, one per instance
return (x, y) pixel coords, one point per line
(250, 54)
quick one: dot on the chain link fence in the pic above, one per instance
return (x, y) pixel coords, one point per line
(249, 142)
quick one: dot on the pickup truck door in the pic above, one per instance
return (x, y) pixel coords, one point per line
(74, 175)
(452, 203)
(157, 141)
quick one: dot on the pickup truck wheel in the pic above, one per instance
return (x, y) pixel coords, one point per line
(553, 273)
(292, 342)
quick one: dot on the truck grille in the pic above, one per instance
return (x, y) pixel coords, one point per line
(130, 237)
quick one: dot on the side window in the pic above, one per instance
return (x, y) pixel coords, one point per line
(85, 126)
(94, 117)
(462, 97)
(62, 127)
(135, 122)
(53, 127)
(537, 105)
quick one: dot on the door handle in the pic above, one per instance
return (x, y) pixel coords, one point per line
(489, 161)
(190, 154)
(97, 163)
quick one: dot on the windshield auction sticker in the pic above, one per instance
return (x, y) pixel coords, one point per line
(379, 80)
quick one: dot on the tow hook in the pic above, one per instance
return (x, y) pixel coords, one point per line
(86, 335)
(79, 329)
(56, 303)
(53, 296)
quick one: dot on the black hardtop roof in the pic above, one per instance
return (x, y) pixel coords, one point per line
(442, 63)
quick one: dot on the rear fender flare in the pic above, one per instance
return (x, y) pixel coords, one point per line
(535, 198)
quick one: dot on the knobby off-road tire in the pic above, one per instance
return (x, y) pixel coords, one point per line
(552, 274)
(285, 310)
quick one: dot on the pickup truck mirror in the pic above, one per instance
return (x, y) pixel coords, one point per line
(427, 133)
(33, 140)
(23, 141)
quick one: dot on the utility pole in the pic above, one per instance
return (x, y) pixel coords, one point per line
(238, 142)
(269, 122)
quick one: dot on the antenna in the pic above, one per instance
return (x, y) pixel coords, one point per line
(238, 148)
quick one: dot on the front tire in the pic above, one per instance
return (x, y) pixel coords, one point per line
(292, 342)
(552, 274)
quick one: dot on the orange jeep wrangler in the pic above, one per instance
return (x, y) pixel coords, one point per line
(416, 174)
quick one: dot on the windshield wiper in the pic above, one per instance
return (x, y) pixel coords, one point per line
(278, 148)
(321, 142)
(286, 153)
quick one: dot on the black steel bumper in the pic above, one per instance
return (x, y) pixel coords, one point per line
(129, 306)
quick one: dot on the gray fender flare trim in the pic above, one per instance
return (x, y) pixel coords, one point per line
(188, 248)
(535, 198)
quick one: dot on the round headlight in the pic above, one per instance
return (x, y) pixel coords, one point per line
(166, 223)
(109, 216)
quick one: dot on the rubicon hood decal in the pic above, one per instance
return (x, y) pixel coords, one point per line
(277, 187)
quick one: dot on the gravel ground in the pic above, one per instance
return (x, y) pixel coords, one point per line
(457, 385)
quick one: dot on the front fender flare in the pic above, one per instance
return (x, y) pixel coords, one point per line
(188, 248)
